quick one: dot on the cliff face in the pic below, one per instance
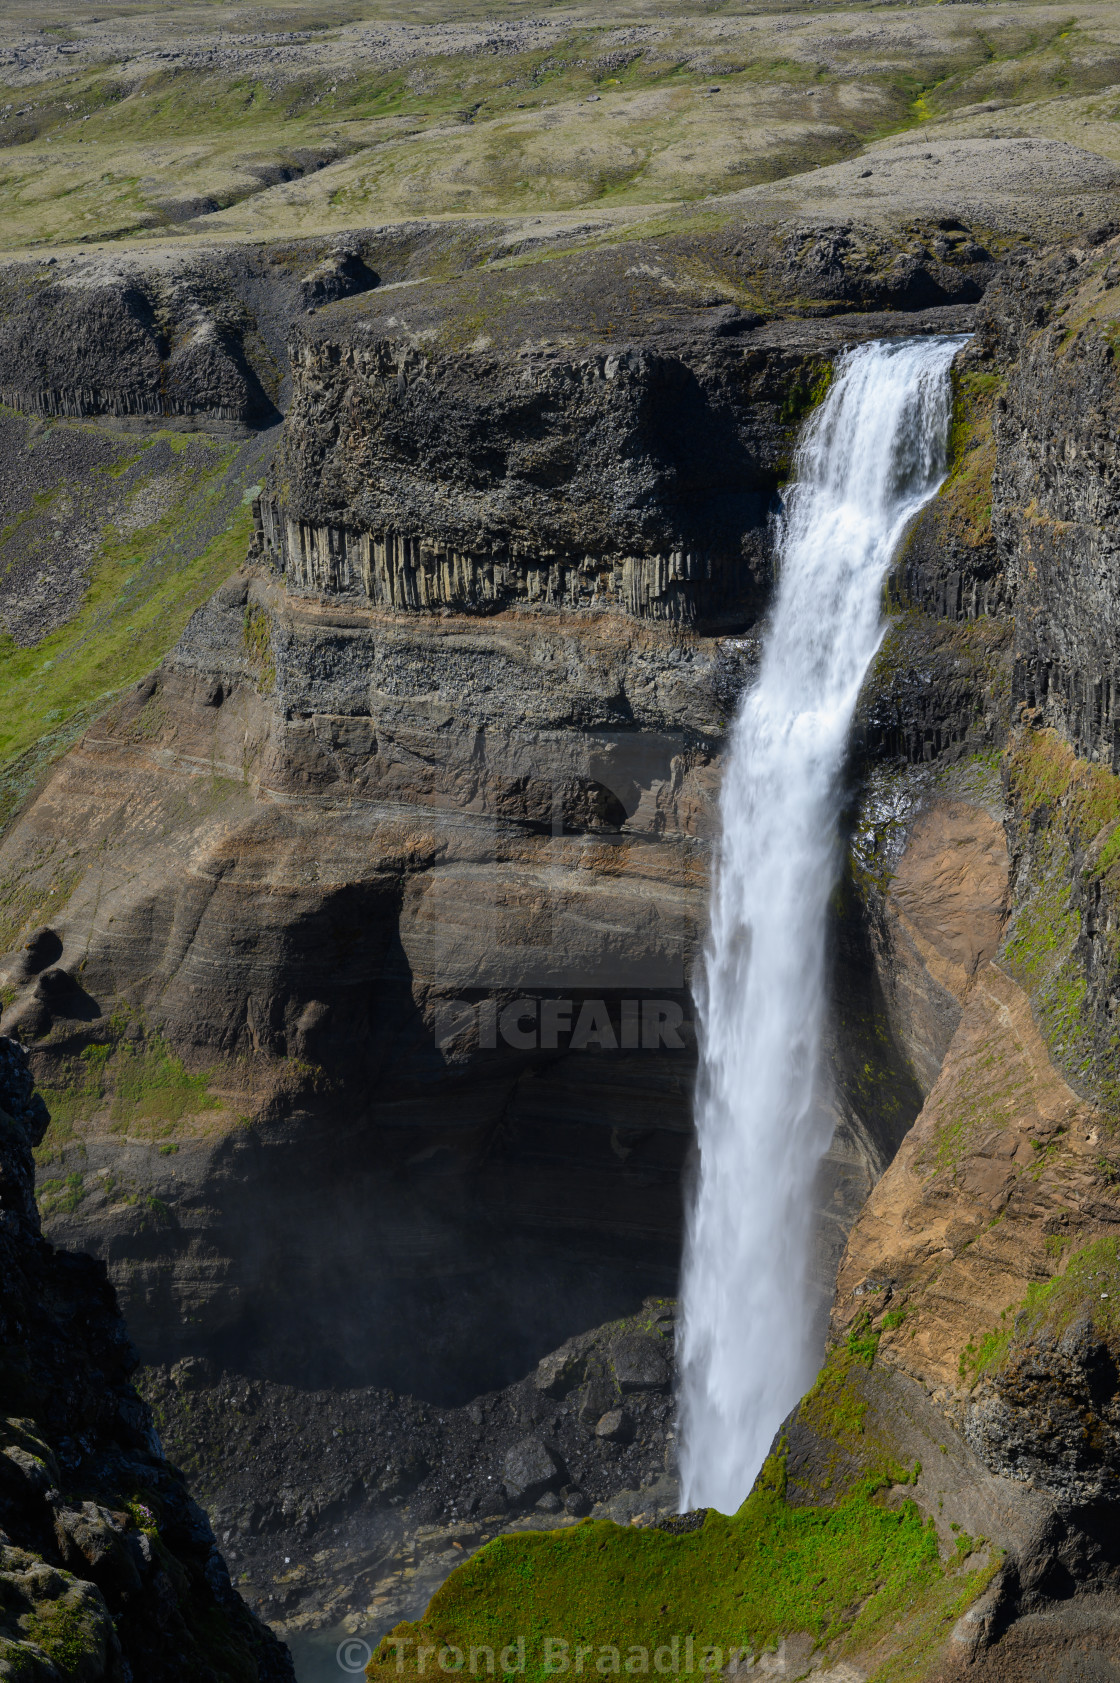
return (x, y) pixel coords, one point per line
(108, 1569)
(354, 944)
(481, 446)
(983, 1269)
(345, 837)
(971, 1387)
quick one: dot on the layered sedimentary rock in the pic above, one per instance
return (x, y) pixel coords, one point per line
(301, 876)
(108, 1569)
(354, 945)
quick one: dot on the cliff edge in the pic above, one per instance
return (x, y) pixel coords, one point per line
(108, 1569)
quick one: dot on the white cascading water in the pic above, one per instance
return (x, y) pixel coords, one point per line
(871, 455)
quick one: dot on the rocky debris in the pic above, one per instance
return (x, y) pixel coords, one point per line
(340, 1504)
(108, 1569)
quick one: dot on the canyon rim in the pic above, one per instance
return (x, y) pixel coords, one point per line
(400, 415)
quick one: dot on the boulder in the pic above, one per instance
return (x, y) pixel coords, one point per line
(615, 1426)
(529, 1469)
(639, 1364)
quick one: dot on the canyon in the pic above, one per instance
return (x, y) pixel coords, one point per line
(376, 604)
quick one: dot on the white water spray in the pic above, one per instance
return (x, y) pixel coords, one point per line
(871, 456)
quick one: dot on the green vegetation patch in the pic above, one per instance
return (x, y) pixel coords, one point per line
(965, 499)
(136, 1086)
(1030, 60)
(621, 1593)
(808, 388)
(1044, 771)
(144, 584)
(67, 1632)
(1072, 808)
(61, 1197)
(1087, 1288)
(257, 637)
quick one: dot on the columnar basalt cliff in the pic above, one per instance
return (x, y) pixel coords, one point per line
(491, 443)
(353, 944)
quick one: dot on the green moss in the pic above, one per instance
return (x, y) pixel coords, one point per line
(863, 1340)
(835, 1409)
(136, 1085)
(1086, 1288)
(257, 637)
(1072, 808)
(964, 501)
(61, 1197)
(153, 1085)
(808, 388)
(143, 589)
(65, 1633)
(739, 1582)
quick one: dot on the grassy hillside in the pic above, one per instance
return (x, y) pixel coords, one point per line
(153, 527)
(307, 120)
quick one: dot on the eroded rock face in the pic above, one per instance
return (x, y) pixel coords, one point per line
(1051, 1415)
(414, 899)
(572, 470)
(947, 905)
(108, 1569)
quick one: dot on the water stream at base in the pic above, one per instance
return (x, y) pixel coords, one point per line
(871, 455)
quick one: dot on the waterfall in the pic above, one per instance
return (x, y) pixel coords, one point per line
(871, 455)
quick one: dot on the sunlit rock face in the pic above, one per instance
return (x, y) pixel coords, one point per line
(408, 883)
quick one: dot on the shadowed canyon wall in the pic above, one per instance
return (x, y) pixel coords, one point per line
(437, 768)
(448, 742)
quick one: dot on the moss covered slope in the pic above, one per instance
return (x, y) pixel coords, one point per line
(829, 1548)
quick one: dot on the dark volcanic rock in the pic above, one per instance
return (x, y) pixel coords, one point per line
(529, 1469)
(639, 1363)
(328, 1503)
(1050, 1414)
(540, 462)
(108, 1569)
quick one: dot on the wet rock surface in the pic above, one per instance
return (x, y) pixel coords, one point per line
(355, 1504)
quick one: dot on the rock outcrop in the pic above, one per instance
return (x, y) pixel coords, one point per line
(108, 1568)
(355, 943)
(480, 445)
(305, 873)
